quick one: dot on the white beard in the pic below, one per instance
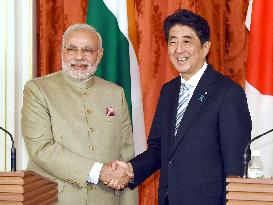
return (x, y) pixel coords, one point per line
(81, 75)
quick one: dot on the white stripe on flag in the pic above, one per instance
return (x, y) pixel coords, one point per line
(119, 10)
(261, 110)
(137, 105)
(248, 15)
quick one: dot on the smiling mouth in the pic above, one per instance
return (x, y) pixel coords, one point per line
(79, 66)
(182, 59)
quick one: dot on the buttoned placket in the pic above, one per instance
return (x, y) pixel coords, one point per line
(88, 114)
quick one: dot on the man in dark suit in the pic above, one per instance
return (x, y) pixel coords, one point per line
(196, 153)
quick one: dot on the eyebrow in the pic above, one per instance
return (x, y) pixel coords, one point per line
(190, 37)
(175, 37)
(73, 45)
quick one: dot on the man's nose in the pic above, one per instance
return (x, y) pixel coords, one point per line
(79, 54)
(180, 47)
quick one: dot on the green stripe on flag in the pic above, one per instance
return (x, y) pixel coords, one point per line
(115, 64)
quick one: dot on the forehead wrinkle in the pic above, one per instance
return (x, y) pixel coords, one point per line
(80, 38)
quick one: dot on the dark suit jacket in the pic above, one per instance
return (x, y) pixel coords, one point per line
(209, 145)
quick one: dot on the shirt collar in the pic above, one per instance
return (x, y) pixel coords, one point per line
(193, 81)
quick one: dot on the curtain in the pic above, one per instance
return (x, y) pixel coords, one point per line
(229, 39)
(53, 17)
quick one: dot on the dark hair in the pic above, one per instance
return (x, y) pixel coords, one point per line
(185, 17)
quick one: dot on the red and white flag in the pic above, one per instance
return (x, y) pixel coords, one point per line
(259, 77)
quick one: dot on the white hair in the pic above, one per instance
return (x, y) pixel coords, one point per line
(81, 27)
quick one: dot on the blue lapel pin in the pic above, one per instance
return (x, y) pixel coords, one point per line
(202, 97)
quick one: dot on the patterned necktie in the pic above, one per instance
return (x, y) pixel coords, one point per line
(182, 104)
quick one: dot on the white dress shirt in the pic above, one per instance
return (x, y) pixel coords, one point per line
(193, 81)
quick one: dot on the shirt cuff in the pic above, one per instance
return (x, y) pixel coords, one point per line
(95, 173)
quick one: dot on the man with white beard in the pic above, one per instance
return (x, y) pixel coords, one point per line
(74, 122)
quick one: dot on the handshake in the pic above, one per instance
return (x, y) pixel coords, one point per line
(116, 174)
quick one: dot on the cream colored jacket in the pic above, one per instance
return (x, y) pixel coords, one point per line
(66, 130)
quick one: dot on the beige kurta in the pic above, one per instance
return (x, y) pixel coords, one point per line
(66, 130)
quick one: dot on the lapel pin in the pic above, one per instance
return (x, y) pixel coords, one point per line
(202, 97)
(109, 112)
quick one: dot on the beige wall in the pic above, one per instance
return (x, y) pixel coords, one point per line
(16, 65)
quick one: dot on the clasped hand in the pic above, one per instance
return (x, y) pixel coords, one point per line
(117, 174)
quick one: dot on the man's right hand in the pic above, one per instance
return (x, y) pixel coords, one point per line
(117, 174)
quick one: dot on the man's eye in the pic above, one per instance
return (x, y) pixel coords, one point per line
(172, 42)
(71, 50)
(88, 51)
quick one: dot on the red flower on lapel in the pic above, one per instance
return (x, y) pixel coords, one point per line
(109, 112)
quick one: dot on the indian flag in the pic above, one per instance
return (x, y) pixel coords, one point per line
(114, 20)
(259, 77)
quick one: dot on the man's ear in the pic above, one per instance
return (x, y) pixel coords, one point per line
(100, 54)
(206, 47)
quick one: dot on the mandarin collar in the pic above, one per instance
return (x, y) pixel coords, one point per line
(77, 83)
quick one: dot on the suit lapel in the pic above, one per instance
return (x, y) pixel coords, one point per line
(198, 99)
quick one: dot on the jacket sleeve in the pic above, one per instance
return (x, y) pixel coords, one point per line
(235, 129)
(43, 150)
